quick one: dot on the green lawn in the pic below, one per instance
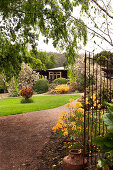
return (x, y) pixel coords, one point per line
(12, 106)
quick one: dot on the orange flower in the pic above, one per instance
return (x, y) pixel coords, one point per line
(78, 104)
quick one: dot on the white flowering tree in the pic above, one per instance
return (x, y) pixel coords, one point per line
(27, 77)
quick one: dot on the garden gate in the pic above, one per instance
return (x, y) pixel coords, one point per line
(98, 87)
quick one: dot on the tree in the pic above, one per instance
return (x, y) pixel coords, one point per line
(22, 22)
(103, 57)
(11, 58)
(48, 61)
(98, 19)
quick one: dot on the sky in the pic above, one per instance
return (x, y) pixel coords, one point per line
(91, 47)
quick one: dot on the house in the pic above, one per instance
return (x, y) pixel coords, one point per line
(53, 73)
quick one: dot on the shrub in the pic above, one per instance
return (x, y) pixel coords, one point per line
(27, 101)
(60, 81)
(52, 87)
(106, 95)
(1, 89)
(26, 92)
(13, 88)
(62, 89)
(41, 86)
(15, 94)
(73, 87)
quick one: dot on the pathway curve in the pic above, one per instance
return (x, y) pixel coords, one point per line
(23, 136)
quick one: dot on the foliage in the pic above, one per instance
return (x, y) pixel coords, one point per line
(52, 87)
(27, 101)
(48, 61)
(106, 142)
(3, 83)
(60, 81)
(107, 95)
(26, 92)
(23, 21)
(11, 58)
(103, 57)
(41, 86)
(80, 81)
(13, 88)
(61, 89)
(13, 106)
(70, 125)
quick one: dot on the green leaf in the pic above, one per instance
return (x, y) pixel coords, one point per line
(108, 119)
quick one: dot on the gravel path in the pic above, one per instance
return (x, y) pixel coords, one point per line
(23, 136)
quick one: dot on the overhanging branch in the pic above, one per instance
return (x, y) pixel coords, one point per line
(95, 1)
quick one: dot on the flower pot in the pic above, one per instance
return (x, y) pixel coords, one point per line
(74, 161)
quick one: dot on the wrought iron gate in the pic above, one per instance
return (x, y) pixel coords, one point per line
(98, 87)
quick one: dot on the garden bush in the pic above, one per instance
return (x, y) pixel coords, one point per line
(1, 89)
(13, 89)
(41, 86)
(26, 92)
(61, 89)
(52, 87)
(60, 81)
(74, 87)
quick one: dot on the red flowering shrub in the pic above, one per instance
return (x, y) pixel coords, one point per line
(26, 92)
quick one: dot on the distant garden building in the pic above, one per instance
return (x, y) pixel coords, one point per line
(53, 73)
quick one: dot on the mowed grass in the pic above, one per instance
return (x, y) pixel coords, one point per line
(11, 106)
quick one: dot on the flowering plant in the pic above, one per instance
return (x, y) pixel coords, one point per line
(70, 125)
(26, 92)
(61, 88)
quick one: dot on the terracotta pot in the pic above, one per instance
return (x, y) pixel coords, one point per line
(74, 161)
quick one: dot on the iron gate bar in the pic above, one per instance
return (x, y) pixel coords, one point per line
(84, 136)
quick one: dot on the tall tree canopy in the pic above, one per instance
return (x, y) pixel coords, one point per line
(104, 57)
(23, 20)
(47, 61)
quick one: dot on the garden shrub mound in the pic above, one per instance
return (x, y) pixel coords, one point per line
(41, 86)
(60, 81)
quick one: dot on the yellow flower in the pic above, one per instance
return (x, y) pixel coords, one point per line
(65, 133)
(54, 129)
(71, 100)
(78, 104)
(73, 123)
(99, 106)
(94, 104)
(69, 146)
(87, 102)
(97, 101)
(101, 111)
(72, 115)
(60, 121)
(63, 117)
(58, 125)
(64, 129)
(81, 110)
(64, 112)
(94, 97)
(73, 128)
(64, 124)
(68, 105)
